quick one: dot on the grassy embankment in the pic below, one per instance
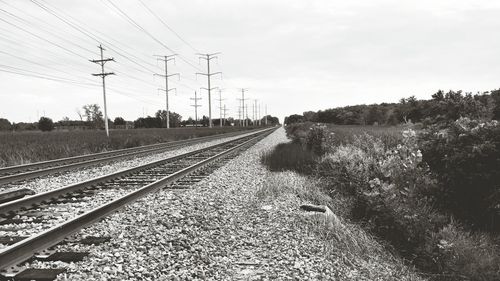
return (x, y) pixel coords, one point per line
(376, 177)
(358, 255)
(33, 146)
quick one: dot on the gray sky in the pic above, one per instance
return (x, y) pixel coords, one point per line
(293, 56)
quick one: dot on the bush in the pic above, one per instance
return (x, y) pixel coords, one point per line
(289, 156)
(461, 255)
(396, 191)
(45, 124)
(465, 157)
(5, 124)
(119, 121)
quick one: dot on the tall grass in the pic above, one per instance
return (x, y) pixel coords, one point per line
(380, 173)
(289, 156)
(33, 146)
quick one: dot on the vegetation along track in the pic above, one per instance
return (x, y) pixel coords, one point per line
(33, 170)
(46, 219)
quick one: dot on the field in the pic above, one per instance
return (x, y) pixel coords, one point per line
(33, 146)
(430, 193)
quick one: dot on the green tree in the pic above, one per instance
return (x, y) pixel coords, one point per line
(174, 118)
(45, 124)
(5, 124)
(119, 121)
(94, 116)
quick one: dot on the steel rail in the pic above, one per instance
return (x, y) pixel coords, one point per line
(30, 201)
(88, 160)
(25, 249)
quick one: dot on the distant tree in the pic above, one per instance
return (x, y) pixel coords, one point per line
(294, 118)
(174, 118)
(119, 121)
(310, 116)
(45, 124)
(5, 124)
(148, 122)
(374, 115)
(204, 121)
(94, 115)
(496, 107)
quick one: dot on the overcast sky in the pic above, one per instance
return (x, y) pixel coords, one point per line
(293, 56)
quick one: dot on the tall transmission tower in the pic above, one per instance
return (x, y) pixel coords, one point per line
(195, 105)
(208, 58)
(103, 75)
(243, 90)
(220, 99)
(166, 59)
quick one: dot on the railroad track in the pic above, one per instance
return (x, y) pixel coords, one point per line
(28, 171)
(43, 220)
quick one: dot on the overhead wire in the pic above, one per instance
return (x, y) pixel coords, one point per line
(138, 26)
(167, 26)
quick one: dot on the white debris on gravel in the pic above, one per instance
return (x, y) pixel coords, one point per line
(50, 182)
(216, 230)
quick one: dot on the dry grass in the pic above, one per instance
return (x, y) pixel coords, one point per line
(33, 146)
(344, 241)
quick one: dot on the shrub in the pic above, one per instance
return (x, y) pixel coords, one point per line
(465, 157)
(45, 124)
(396, 192)
(289, 156)
(5, 124)
(315, 139)
(461, 255)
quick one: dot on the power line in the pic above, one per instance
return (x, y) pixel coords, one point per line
(138, 26)
(77, 26)
(41, 38)
(168, 27)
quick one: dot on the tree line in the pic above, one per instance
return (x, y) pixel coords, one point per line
(442, 107)
(92, 118)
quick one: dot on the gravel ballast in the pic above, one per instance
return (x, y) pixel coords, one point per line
(50, 182)
(216, 230)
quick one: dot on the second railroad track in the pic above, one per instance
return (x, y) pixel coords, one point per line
(34, 223)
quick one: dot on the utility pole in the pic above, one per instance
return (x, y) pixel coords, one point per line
(225, 110)
(266, 115)
(209, 57)
(240, 113)
(220, 106)
(195, 105)
(243, 90)
(260, 113)
(103, 75)
(166, 59)
(253, 112)
(246, 117)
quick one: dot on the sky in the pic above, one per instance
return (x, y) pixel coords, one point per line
(291, 56)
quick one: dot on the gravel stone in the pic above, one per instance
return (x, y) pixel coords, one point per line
(216, 230)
